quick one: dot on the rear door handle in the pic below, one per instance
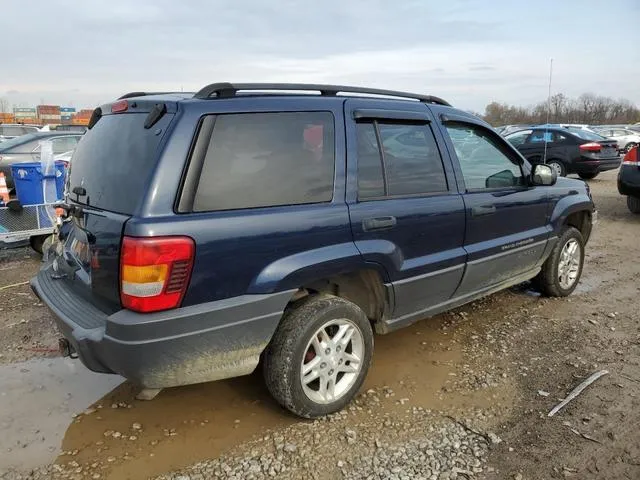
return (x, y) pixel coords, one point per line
(378, 223)
(483, 210)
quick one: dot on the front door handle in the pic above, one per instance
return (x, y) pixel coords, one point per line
(379, 223)
(483, 210)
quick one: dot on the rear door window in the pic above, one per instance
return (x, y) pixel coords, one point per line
(115, 160)
(398, 159)
(412, 161)
(267, 159)
(540, 136)
(370, 175)
(560, 138)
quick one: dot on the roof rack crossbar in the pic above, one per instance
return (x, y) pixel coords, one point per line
(143, 94)
(228, 90)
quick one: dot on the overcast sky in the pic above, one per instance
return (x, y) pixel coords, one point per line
(83, 53)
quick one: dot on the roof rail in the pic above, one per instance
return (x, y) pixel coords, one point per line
(143, 94)
(228, 90)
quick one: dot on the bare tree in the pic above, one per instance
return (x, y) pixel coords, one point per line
(587, 108)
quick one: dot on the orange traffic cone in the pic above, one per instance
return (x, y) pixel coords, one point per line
(4, 191)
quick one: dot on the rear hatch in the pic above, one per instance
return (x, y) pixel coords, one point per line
(108, 179)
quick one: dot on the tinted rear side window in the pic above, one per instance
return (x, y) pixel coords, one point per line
(267, 159)
(114, 161)
(410, 163)
(370, 173)
(411, 159)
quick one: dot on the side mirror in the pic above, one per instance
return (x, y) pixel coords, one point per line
(543, 174)
(503, 179)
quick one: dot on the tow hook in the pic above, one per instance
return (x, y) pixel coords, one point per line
(66, 349)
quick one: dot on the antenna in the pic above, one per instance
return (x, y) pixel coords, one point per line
(546, 131)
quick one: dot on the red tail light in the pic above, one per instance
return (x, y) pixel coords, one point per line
(155, 272)
(591, 147)
(631, 158)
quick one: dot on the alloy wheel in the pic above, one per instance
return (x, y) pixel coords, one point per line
(332, 361)
(569, 265)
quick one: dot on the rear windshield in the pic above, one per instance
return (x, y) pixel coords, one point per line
(114, 160)
(587, 135)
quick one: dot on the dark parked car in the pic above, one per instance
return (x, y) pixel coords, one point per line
(206, 232)
(27, 149)
(629, 179)
(576, 151)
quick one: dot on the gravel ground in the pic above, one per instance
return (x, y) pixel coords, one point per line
(419, 445)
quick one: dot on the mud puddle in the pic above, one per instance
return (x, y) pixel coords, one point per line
(137, 439)
(37, 400)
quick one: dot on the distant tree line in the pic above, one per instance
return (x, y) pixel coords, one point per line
(587, 108)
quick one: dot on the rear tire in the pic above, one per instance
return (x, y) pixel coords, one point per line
(587, 176)
(633, 203)
(561, 272)
(292, 351)
(558, 166)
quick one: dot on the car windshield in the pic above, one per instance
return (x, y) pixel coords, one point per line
(14, 142)
(587, 135)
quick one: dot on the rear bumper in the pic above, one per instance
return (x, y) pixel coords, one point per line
(597, 166)
(187, 345)
(629, 181)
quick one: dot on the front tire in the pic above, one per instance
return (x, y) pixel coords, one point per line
(319, 356)
(633, 203)
(587, 176)
(561, 272)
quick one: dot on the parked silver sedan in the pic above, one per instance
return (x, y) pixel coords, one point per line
(627, 139)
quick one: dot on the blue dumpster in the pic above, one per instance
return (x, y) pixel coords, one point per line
(27, 179)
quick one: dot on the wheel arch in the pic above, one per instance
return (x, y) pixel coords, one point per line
(336, 270)
(364, 287)
(578, 215)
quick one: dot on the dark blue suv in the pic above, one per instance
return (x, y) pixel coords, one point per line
(205, 234)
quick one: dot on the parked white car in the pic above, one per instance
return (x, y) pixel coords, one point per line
(627, 139)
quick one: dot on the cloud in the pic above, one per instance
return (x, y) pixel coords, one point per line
(481, 68)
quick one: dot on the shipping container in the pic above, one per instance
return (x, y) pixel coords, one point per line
(7, 118)
(28, 121)
(48, 109)
(67, 109)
